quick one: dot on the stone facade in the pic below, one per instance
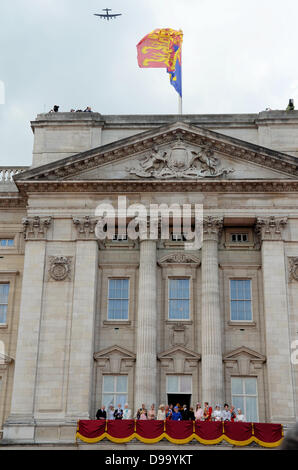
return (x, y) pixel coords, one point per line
(59, 343)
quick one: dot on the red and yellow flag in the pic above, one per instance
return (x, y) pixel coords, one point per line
(162, 49)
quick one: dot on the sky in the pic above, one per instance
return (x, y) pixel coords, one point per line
(238, 56)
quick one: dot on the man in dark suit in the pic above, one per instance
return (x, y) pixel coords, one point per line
(185, 413)
(101, 413)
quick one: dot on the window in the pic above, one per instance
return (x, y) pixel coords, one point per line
(239, 237)
(179, 384)
(179, 299)
(245, 396)
(6, 242)
(240, 297)
(177, 237)
(4, 290)
(114, 390)
(118, 299)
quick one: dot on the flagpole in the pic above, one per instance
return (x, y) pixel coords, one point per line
(179, 104)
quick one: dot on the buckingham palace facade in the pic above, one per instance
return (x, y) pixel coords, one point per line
(86, 320)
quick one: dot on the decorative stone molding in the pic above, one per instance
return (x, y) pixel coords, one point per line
(270, 228)
(60, 268)
(179, 359)
(212, 228)
(293, 268)
(149, 185)
(179, 335)
(179, 258)
(35, 228)
(114, 360)
(5, 360)
(244, 361)
(179, 162)
(85, 227)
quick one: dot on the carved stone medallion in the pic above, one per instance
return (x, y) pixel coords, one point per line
(60, 268)
(293, 269)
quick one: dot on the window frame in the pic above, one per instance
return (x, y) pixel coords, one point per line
(114, 393)
(115, 278)
(240, 300)
(171, 278)
(7, 304)
(179, 384)
(7, 246)
(246, 395)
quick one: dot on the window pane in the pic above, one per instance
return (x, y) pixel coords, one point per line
(4, 289)
(3, 313)
(185, 383)
(248, 311)
(122, 399)
(247, 289)
(172, 381)
(250, 386)
(10, 242)
(107, 400)
(237, 386)
(179, 309)
(121, 386)
(251, 409)
(108, 383)
(238, 402)
(233, 289)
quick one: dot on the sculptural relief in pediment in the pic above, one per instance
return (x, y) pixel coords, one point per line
(179, 161)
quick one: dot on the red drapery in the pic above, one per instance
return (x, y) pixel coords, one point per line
(180, 432)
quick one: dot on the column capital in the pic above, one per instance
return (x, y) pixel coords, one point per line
(85, 227)
(35, 228)
(271, 228)
(212, 227)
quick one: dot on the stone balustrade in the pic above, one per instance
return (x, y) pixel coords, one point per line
(8, 172)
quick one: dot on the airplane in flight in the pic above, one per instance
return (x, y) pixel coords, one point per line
(107, 16)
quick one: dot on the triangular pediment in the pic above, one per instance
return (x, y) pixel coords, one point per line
(246, 352)
(176, 152)
(114, 351)
(179, 351)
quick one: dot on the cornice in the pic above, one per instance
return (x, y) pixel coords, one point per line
(136, 186)
(13, 202)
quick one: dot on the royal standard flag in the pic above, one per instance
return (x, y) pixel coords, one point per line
(162, 48)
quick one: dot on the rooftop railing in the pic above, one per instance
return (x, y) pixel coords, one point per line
(8, 172)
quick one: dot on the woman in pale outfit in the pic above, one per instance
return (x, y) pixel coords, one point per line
(161, 414)
(240, 416)
(126, 412)
(217, 414)
(110, 413)
(151, 412)
(199, 413)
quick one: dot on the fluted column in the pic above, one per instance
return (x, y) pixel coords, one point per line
(212, 368)
(145, 381)
(278, 350)
(20, 424)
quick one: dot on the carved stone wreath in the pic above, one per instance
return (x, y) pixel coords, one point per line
(179, 162)
(60, 268)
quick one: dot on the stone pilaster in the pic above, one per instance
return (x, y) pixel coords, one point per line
(146, 367)
(20, 424)
(82, 324)
(212, 366)
(278, 352)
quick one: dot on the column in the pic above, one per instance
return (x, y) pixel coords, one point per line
(146, 368)
(81, 360)
(278, 351)
(20, 424)
(212, 367)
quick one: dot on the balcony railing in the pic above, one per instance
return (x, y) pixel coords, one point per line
(8, 172)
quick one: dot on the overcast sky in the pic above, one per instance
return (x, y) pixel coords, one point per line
(239, 56)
